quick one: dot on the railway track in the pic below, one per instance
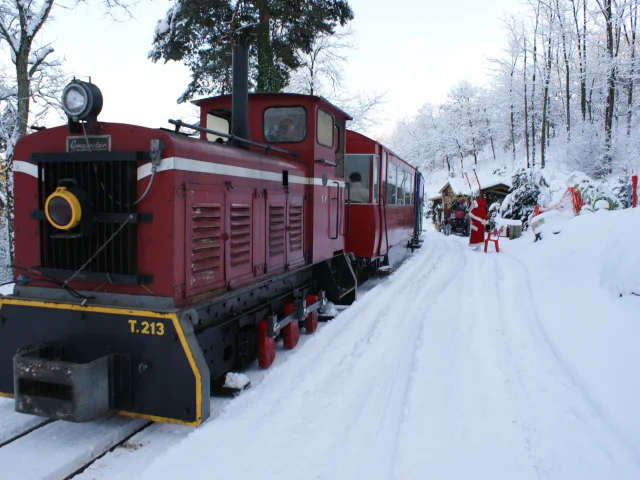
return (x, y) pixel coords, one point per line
(32, 448)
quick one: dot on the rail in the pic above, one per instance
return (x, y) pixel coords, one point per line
(179, 124)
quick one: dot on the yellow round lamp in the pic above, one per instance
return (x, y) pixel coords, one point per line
(63, 209)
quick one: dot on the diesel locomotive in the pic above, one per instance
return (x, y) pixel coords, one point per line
(150, 263)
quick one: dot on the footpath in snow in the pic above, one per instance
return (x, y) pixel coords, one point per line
(462, 365)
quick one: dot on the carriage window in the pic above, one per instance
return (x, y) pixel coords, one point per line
(401, 186)
(324, 129)
(219, 124)
(391, 185)
(375, 179)
(409, 191)
(285, 124)
(358, 177)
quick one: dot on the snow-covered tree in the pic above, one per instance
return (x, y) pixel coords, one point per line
(321, 73)
(528, 189)
(201, 34)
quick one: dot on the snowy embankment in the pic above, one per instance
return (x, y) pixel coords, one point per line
(463, 365)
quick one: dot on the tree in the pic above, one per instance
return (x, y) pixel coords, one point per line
(320, 70)
(320, 73)
(201, 33)
(32, 89)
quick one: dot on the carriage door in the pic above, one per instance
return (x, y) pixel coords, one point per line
(382, 242)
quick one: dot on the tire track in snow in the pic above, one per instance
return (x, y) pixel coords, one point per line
(580, 411)
(459, 419)
(333, 409)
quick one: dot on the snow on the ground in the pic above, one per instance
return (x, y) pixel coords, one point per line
(12, 424)
(518, 364)
(6, 289)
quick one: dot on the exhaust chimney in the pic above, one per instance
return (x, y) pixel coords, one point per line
(240, 90)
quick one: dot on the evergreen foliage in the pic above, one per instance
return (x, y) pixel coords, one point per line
(622, 187)
(201, 34)
(529, 188)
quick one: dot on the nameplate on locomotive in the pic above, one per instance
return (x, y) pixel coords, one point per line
(95, 143)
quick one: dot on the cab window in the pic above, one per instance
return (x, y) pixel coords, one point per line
(285, 124)
(219, 124)
(324, 129)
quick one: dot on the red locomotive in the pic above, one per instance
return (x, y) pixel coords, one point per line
(148, 261)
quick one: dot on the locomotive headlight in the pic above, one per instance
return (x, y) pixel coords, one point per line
(74, 100)
(63, 209)
(81, 100)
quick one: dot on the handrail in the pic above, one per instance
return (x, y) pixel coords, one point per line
(230, 136)
(348, 209)
(337, 212)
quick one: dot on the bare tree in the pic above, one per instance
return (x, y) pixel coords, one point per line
(630, 37)
(32, 89)
(547, 79)
(321, 69)
(321, 73)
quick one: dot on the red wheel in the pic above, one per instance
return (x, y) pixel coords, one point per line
(312, 317)
(266, 346)
(291, 331)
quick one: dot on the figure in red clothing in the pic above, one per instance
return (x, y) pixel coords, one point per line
(478, 216)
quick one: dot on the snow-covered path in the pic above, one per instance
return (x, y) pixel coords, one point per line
(446, 371)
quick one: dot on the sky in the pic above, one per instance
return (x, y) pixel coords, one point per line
(414, 50)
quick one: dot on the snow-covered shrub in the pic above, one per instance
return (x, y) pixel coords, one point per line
(434, 213)
(494, 211)
(528, 189)
(622, 187)
(592, 191)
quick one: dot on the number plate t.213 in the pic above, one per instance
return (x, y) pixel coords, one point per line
(146, 328)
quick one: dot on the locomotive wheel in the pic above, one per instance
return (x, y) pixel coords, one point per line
(311, 323)
(266, 346)
(291, 331)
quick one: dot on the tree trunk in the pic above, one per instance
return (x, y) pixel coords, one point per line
(268, 79)
(24, 96)
(611, 91)
(567, 73)
(545, 101)
(533, 89)
(526, 114)
(634, 21)
(581, 57)
(511, 117)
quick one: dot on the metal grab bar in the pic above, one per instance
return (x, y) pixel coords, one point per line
(348, 208)
(180, 123)
(337, 212)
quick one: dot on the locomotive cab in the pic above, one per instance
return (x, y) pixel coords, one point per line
(309, 126)
(312, 131)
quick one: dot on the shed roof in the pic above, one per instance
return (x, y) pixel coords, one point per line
(460, 186)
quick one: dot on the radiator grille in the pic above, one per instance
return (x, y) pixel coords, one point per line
(111, 186)
(276, 230)
(295, 227)
(240, 223)
(206, 243)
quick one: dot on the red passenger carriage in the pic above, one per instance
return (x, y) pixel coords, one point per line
(383, 218)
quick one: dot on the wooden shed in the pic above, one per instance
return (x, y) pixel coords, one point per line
(494, 189)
